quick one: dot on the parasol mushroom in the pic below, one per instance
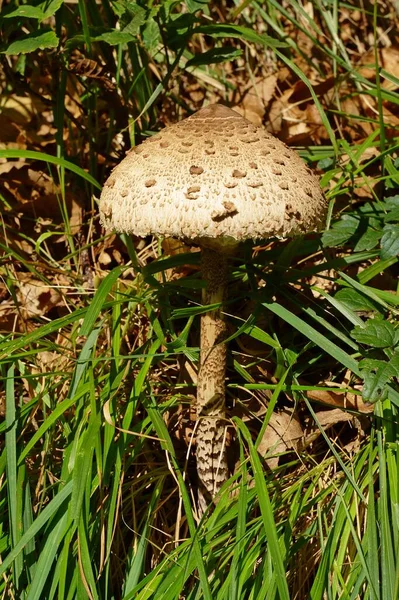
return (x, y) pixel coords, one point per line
(214, 180)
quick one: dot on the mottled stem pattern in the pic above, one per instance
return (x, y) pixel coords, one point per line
(211, 452)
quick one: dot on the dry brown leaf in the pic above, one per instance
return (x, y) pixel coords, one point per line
(52, 361)
(343, 400)
(284, 432)
(20, 109)
(329, 418)
(366, 155)
(283, 74)
(75, 214)
(353, 127)
(294, 116)
(388, 59)
(323, 280)
(39, 196)
(9, 131)
(104, 258)
(16, 242)
(7, 316)
(276, 112)
(8, 165)
(90, 69)
(315, 123)
(287, 119)
(35, 297)
(256, 98)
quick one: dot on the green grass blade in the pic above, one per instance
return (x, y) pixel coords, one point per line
(86, 572)
(239, 550)
(99, 299)
(61, 162)
(163, 434)
(39, 522)
(14, 498)
(138, 559)
(48, 556)
(267, 514)
(312, 334)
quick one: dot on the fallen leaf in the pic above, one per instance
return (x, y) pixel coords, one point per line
(284, 432)
(35, 297)
(8, 165)
(294, 116)
(7, 316)
(256, 98)
(20, 109)
(343, 400)
(388, 59)
(329, 418)
(39, 196)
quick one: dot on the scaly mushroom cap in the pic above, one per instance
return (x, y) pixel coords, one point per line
(213, 175)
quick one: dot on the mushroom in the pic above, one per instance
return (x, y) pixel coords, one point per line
(213, 179)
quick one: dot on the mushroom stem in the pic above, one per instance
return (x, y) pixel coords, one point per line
(211, 452)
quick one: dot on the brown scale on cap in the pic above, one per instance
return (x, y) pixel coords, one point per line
(194, 170)
(215, 179)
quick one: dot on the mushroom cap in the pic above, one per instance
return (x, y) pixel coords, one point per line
(214, 178)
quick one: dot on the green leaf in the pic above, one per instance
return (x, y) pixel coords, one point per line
(379, 334)
(167, 445)
(390, 242)
(41, 11)
(133, 18)
(255, 332)
(194, 5)
(325, 164)
(151, 35)
(216, 55)
(340, 232)
(355, 300)
(29, 12)
(368, 240)
(48, 555)
(178, 27)
(38, 40)
(136, 567)
(113, 38)
(372, 364)
(392, 202)
(14, 502)
(376, 374)
(392, 216)
(171, 262)
(118, 8)
(50, 8)
(394, 363)
(82, 468)
(43, 518)
(98, 301)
